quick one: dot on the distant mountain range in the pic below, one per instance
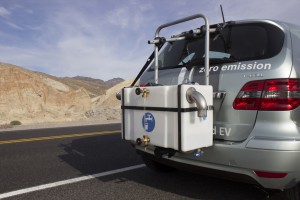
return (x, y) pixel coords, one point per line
(95, 87)
(109, 83)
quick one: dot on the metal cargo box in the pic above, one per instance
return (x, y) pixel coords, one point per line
(164, 115)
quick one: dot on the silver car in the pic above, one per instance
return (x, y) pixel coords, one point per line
(254, 68)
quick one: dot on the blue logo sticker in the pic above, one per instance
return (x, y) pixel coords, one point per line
(148, 122)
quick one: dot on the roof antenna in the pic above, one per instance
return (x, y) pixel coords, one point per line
(222, 13)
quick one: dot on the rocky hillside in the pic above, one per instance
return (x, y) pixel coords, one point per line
(106, 106)
(33, 97)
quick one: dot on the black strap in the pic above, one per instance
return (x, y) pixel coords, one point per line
(145, 66)
(193, 109)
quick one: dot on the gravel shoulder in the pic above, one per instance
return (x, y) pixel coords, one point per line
(58, 125)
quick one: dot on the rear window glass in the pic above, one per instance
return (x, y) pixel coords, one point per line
(253, 41)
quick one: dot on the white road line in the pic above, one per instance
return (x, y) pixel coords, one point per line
(69, 181)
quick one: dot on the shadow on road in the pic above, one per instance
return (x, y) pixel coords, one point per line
(99, 153)
(108, 152)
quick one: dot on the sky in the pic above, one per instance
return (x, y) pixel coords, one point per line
(108, 38)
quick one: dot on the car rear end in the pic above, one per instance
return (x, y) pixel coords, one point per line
(255, 77)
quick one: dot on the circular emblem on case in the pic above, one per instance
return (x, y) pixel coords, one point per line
(148, 122)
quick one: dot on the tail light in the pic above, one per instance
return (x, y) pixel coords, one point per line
(249, 96)
(269, 95)
(263, 174)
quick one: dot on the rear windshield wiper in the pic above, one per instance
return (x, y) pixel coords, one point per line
(201, 61)
(189, 65)
(222, 60)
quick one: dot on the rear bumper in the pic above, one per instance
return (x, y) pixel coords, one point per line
(201, 170)
(240, 161)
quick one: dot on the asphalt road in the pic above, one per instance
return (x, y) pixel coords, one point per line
(34, 158)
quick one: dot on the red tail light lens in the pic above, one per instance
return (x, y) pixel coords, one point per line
(269, 95)
(281, 94)
(249, 96)
(271, 174)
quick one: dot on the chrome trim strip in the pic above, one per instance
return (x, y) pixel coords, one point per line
(219, 95)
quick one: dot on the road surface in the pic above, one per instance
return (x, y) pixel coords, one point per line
(92, 162)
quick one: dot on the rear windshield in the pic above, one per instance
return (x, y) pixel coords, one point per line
(236, 42)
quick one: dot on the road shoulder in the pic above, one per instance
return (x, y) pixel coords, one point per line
(59, 125)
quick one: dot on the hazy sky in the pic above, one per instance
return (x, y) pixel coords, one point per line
(108, 38)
